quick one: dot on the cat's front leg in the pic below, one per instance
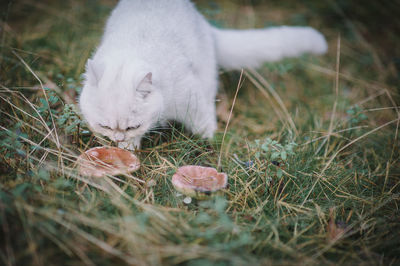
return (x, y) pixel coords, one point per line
(202, 121)
(132, 144)
(205, 128)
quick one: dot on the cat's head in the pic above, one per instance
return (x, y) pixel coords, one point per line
(119, 102)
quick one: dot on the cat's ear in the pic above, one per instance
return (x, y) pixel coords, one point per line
(92, 75)
(145, 86)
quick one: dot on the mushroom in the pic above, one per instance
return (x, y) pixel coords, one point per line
(101, 161)
(198, 181)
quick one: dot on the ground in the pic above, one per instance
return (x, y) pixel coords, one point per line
(311, 148)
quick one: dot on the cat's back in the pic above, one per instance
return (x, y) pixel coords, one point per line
(152, 7)
(146, 19)
(161, 32)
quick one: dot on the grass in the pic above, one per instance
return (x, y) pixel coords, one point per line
(330, 199)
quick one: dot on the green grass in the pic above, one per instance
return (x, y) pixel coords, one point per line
(331, 199)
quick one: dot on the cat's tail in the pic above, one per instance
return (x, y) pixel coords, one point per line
(250, 48)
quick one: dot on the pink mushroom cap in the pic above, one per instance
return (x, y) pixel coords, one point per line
(198, 181)
(101, 161)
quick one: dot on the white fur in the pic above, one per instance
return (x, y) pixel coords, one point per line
(250, 48)
(157, 61)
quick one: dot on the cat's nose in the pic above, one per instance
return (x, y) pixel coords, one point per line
(119, 136)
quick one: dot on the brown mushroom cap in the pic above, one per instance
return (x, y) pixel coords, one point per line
(198, 181)
(101, 161)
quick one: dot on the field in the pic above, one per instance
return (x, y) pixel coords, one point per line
(310, 145)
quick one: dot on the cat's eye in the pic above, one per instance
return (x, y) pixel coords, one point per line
(105, 127)
(132, 128)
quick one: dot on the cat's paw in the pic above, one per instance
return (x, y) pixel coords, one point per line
(132, 144)
(127, 146)
(208, 132)
(208, 135)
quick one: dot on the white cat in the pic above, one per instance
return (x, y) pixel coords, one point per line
(158, 60)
